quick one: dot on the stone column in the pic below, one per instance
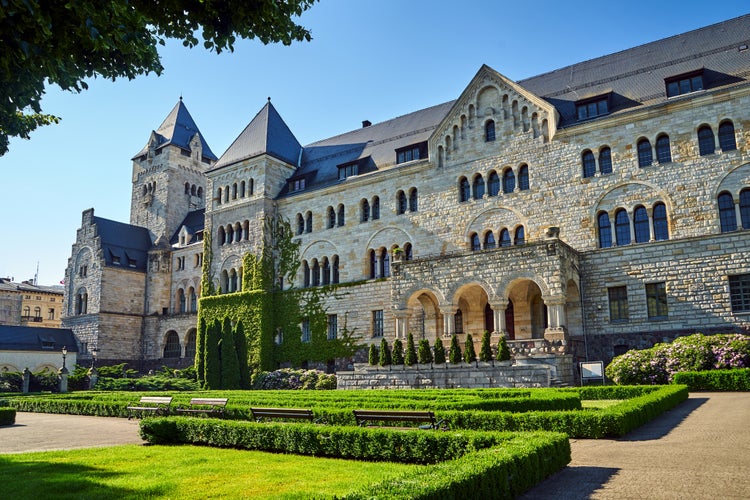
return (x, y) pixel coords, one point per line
(632, 227)
(650, 212)
(62, 376)
(556, 318)
(498, 311)
(26, 380)
(402, 323)
(449, 325)
(738, 213)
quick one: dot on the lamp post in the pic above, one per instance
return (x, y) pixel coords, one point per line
(63, 373)
(64, 353)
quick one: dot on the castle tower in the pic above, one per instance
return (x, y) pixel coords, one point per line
(169, 176)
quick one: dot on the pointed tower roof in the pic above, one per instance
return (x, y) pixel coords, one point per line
(178, 128)
(265, 134)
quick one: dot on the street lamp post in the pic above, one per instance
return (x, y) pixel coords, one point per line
(64, 353)
(63, 373)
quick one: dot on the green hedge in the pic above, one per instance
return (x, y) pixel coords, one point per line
(715, 380)
(7, 416)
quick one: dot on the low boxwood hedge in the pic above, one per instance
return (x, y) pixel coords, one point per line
(7, 415)
(715, 380)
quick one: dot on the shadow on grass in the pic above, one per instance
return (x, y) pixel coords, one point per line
(571, 483)
(664, 423)
(34, 479)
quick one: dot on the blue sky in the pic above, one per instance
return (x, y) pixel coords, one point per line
(368, 60)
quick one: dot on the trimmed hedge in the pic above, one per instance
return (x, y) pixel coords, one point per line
(7, 416)
(715, 380)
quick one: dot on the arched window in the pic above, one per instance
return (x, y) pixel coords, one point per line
(726, 137)
(222, 235)
(300, 224)
(458, 321)
(706, 142)
(407, 251)
(372, 264)
(589, 163)
(661, 229)
(520, 238)
(745, 208)
(509, 181)
(523, 177)
(475, 245)
(622, 227)
(341, 215)
(234, 191)
(645, 156)
(219, 196)
(464, 191)
(663, 152)
(400, 203)
(200, 192)
(364, 210)
(413, 200)
(727, 215)
(335, 269)
(605, 161)
(489, 241)
(493, 184)
(375, 208)
(238, 232)
(641, 225)
(192, 189)
(605, 230)
(172, 345)
(233, 280)
(504, 238)
(224, 282)
(193, 300)
(180, 301)
(252, 186)
(308, 222)
(315, 273)
(305, 274)
(230, 234)
(242, 189)
(190, 344)
(226, 194)
(385, 263)
(187, 188)
(331, 217)
(27, 312)
(489, 131)
(326, 271)
(478, 187)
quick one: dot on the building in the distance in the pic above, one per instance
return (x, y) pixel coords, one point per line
(593, 209)
(29, 304)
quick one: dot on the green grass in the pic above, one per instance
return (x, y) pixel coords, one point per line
(599, 403)
(134, 472)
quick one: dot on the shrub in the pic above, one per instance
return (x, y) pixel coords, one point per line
(11, 382)
(503, 352)
(288, 378)
(410, 358)
(385, 353)
(485, 352)
(373, 355)
(469, 353)
(424, 354)
(454, 354)
(398, 352)
(158, 382)
(715, 380)
(658, 364)
(7, 416)
(43, 381)
(439, 352)
(116, 371)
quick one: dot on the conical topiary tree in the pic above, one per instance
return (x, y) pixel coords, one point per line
(372, 355)
(485, 353)
(469, 353)
(503, 353)
(212, 362)
(398, 352)
(410, 358)
(385, 353)
(439, 352)
(240, 344)
(200, 351)
(454, 355)
(424, 353)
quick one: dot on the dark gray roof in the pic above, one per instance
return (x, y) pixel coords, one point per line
(8, 285)
(124, 242)
(265, 134)
(636, 76)
(28, 338)
(195, 221)
(179, 129)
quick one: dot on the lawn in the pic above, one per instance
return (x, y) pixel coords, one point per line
(184, 472)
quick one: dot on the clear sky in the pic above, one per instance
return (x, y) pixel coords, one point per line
(368, 60)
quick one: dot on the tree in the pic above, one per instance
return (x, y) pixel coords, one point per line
(454, 354)
(398, 352)
(503, 353)
(469, 353)
(373, 355)
(485, 352)
(200, 350)
(65, 43)
(424, 353)
(212, 361)
(230, 367)
(240, 344)
(385, 353)
(411, 351)
(439, 352)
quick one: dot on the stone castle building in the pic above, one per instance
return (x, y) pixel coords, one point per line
(582, 212)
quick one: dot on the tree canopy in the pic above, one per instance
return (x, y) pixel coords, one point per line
(64, 43)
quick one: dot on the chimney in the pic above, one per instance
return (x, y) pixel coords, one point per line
(366, 123)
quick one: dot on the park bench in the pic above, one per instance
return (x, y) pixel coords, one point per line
(427, 418)
(260, 414)
(208, 406)
(158, 405)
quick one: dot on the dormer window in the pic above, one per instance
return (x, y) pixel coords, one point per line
(411, 152)
(348, 170)
(591, 108)
(297, 184)
(684, 84)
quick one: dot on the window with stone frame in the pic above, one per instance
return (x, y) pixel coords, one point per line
(509, 181)
(464, 189)
(727, 215)
(745, 208)
(663, 150)
(306, 335)
(493, 184)
(172, 347)
(401, 203)
(377, 323)
(684, 84)
(489, 131)
(739, 293)
(477, 187)
(375, 210)
(331, 217)
(641, 225)
(645, 155)
(727, 141)
(618, 304)
(364, 207)
(413, 200)
(523, 177)
(661, 228)
(591, 108)
(605, 161)
(348, 170)
(622, 227)
(656, 300)
(589, 163)
(706, 141)
(333, 326)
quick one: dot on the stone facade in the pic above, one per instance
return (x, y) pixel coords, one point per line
(578, 219)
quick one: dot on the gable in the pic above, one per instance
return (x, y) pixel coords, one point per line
(492, 113)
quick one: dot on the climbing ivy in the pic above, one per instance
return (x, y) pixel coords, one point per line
(207, 279)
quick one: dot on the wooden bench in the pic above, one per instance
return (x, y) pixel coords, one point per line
(425, 417)
(260, 414)
(158, 405)
(209, 406)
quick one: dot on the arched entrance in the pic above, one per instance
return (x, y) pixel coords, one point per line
(425, 320)
(473, 304)
(528, 314)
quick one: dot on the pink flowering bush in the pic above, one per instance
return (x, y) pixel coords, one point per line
(698, 352)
